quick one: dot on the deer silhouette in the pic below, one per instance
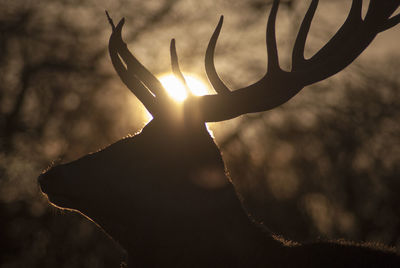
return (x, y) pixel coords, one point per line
(164, 193)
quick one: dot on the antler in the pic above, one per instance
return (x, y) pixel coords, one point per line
(146, 87)
(278, 86)
(175, 67)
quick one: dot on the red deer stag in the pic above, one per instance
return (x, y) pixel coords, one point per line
(151, 193)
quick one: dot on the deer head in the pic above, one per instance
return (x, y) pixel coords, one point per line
(163, 190)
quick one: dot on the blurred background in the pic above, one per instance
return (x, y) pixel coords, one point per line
(324, 165)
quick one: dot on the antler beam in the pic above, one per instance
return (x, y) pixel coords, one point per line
(278, 86)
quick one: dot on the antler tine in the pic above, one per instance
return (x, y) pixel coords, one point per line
(298, 50)
(110, 21)
(350, 40)
(137, 88)
(135, 67)
(272, 49)
(351, 24)
(278, 86)
(379, 13)
(211, 72)
(355, 11)
(175, 67)
(390, 23)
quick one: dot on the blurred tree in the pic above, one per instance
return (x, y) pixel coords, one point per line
(327, 163)
(56, 101)
(324, 164)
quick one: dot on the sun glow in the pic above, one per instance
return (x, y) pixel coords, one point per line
(177, 90)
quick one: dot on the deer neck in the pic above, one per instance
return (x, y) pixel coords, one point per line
(218, 230)
(194, 218)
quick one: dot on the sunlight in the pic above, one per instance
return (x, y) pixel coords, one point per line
(176, 89)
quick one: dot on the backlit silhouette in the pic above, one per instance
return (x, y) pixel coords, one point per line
(164, 194)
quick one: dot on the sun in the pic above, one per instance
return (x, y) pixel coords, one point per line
(176, 89)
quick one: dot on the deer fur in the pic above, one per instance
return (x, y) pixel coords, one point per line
(163, 211)
(164, 194)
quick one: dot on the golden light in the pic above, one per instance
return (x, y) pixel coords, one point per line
(177, 90)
